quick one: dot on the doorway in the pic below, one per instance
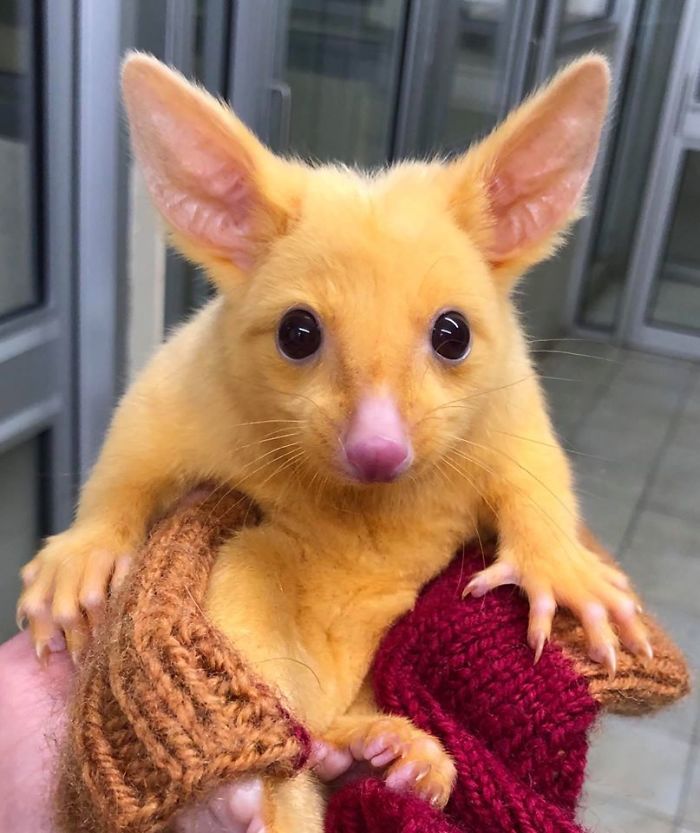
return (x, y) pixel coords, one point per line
(662, 305)
(37, 471)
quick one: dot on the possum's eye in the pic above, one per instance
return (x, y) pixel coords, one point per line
(299, 334)
(451, 337)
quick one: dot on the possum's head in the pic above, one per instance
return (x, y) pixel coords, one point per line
(370, 311)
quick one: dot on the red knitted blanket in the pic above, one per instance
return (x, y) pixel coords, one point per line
(461, 670)
(458, 668)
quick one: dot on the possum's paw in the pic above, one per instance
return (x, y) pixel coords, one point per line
(66, 586)
(412, 760)
(233, 808)
(598, 594)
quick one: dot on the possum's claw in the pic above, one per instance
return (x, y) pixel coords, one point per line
(596, 593)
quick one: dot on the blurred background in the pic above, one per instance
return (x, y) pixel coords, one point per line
(88, 289)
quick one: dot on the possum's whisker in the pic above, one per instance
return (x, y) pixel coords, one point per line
(472, 518)
(284, 393)
(523, 468)
(292, 659)
(577, 355)
(268, 439)
(279, 500)
(264, 422)
(556, 340)
(557, 527)
(268, 453)
(455, 403)
(241, 480)
(289, 461)
(554, 445)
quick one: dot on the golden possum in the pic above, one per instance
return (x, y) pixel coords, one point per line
(363, 376)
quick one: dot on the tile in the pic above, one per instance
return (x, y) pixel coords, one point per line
(623, 768)
(692, 404)
(587, 365)
(608, 505)
(691, 811)
(662, 373)
(643, 398)
(601, 814)
(628, 446)
(678, 720)
(677, 305)
(687, 432)
(676, 484)
(684, 627)
(663, 558)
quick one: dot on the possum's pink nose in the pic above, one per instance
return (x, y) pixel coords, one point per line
(376, 446)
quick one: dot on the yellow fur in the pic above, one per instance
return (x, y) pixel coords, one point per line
(309, 593)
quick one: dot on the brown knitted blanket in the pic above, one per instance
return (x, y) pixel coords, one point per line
(164, 709)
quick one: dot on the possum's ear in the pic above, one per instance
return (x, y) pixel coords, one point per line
(522, 186)
(208, 175)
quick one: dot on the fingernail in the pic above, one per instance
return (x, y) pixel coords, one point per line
(318, 754)
(539, 647)
(611, 662)
(422, 773)
(42, 653)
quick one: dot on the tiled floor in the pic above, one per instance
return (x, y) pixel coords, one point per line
(632, 422)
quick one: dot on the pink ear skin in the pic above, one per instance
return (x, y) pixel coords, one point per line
(204, 169)
(533, 169)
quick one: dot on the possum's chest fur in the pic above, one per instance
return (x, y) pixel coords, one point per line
(308, 605)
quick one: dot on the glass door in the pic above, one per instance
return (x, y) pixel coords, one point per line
(570, 29)
(663, 301)
(320, 78)
(468, 62)
(36, 267)
(597, 306)
(464, 68)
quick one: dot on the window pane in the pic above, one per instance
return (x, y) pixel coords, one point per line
(478, 78)
(342, 69)
(675, 299)
(468, 80)
(18, 76)
(20, 518)
(624, 188)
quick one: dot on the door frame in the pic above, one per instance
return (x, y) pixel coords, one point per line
(679, 130)
(624, 13)
(420, 60)
(37, 396)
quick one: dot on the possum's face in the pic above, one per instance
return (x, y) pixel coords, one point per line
(368, 317)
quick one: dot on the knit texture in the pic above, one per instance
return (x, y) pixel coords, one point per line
(164, 709)
(460, 669)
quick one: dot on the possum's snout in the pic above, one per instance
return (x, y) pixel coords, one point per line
(376, 447)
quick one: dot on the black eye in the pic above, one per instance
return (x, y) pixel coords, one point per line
(299, 334)
(451, 337)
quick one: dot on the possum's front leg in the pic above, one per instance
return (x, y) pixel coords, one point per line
(540, 549)
(138, 473)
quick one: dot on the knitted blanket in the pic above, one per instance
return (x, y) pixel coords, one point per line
(165, 710)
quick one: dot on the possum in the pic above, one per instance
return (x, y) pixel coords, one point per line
(361, 373)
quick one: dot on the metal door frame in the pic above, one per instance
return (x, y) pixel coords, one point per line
(623, 13)
(36, 345)
(420, 58)
(679, 131)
